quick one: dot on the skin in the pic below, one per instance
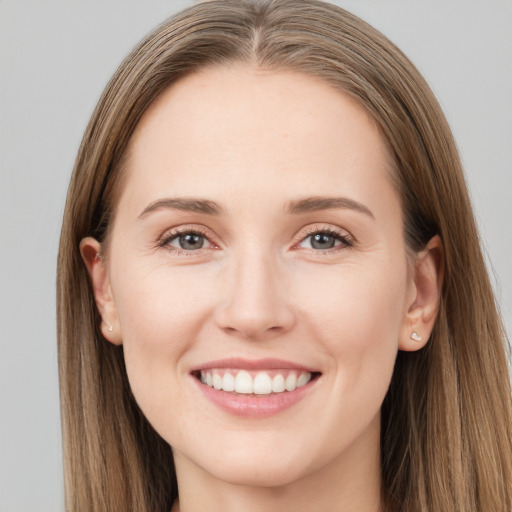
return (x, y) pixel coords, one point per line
(253, 141)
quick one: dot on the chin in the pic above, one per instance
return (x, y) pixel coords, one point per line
(269, 461)
(271, 473)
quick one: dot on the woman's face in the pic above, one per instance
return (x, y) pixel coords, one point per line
(258, 246)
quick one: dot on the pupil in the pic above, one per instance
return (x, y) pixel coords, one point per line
(322, 241)
(191, 241)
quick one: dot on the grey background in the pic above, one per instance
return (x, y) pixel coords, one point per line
(56, 57)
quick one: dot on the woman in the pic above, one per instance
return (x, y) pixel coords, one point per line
(271, 292)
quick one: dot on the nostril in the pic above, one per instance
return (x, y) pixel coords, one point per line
(254, 310)
(254, 330)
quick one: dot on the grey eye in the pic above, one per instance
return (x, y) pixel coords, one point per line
(188, 241)
(322, 241)
(325, 240)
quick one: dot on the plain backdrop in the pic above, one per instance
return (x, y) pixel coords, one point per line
(55, 59)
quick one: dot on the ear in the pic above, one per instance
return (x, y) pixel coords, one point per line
(90, 249)
(424, 298)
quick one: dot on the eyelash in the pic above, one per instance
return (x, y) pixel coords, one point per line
(169, 236)
(340, 236)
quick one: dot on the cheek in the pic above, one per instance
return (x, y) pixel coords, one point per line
(356, 314)
(359, 303)
(161, 312)
(157, 304)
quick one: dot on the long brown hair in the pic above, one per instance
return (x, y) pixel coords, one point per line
(446, 439)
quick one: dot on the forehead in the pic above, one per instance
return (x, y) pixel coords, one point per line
(239, 129)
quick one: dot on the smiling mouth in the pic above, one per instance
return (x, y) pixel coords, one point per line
(256, 383)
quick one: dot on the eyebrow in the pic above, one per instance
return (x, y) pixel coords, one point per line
(208, 207)
(187, 204)
(310, 204)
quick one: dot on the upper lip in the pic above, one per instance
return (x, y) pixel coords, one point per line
(252, 364)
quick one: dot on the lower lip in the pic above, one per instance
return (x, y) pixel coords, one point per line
(255, 406)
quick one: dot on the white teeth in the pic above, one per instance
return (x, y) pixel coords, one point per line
(303, 379)
(228, 382)
(242, 382)
(278, 384)
(262, 384)
(291, 382)
(217, 381)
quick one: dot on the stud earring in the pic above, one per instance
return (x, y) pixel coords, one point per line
(415, 336)
(109, 327)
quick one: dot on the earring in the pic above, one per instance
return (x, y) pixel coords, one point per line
(110, 328)
(415, 336)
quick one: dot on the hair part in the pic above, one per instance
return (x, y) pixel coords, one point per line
(446, 420)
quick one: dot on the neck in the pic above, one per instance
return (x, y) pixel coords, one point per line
(350, 482)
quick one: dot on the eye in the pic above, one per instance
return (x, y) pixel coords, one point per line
(325, 239)
(188, 241)
(322, 241)
(185, 240)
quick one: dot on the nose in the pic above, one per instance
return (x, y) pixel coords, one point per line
(255, 302)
